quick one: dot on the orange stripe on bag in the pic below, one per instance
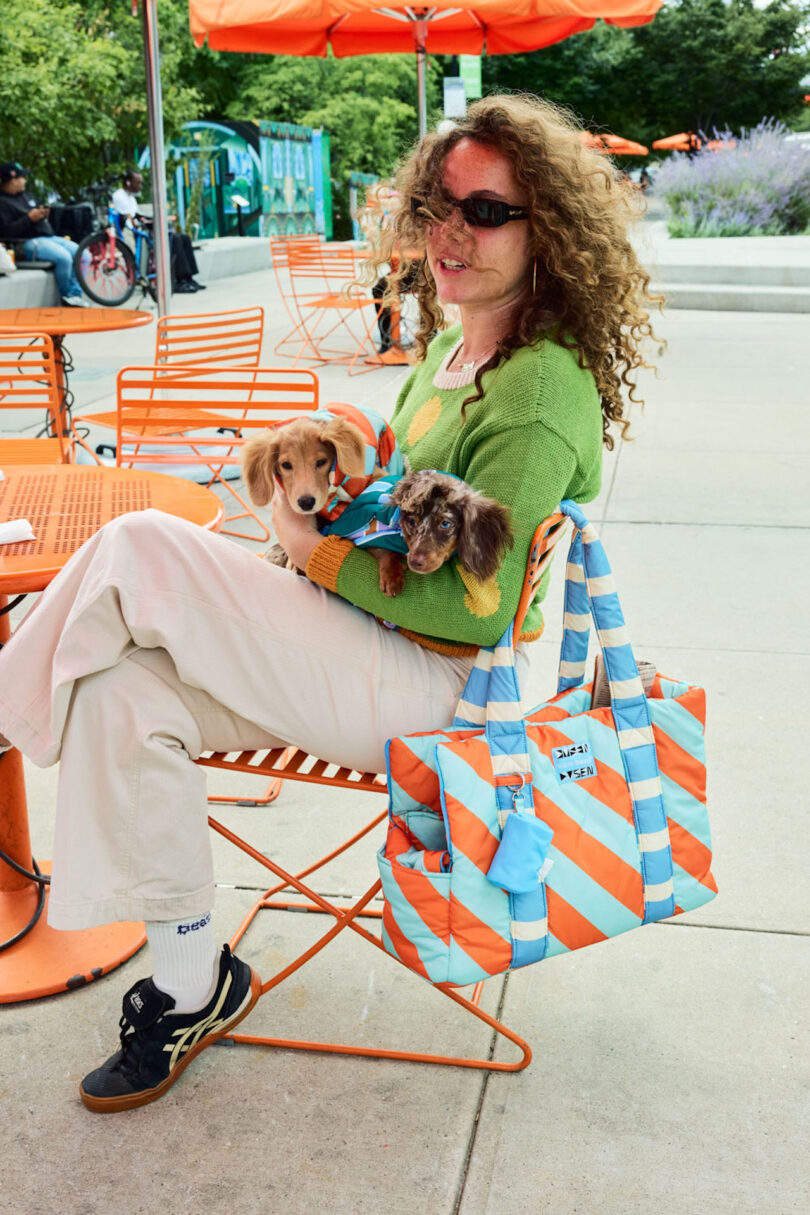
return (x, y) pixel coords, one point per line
(691, 855)
(407, 952)
(414, 776)
(694, 701)
(679, 765)
(611, 785)
(569, 927)
(470, 834)
(436, 862)
(547, 713)
(476, 754)
(398, 840)
(485, 946)
(612, 873)
(430, 906)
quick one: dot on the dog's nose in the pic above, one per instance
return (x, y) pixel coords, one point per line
(306, 503)
(416, 561)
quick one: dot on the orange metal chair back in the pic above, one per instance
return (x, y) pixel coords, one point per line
(28, 381)
(282, 764)
(231, 339)
(158, 406)
(280, 247)
(325, 294)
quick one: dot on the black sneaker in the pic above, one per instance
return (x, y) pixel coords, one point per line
(157, 1045)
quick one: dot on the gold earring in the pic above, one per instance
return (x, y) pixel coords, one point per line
(534, 276)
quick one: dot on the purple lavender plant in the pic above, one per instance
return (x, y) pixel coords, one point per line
(758, 185)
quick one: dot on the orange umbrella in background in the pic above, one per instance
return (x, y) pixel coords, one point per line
(614, 145)
(686, 141)
(364, 27)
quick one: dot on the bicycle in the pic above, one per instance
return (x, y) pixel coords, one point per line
(108, 270)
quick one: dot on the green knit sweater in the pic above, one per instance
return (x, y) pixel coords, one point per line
(534, 438)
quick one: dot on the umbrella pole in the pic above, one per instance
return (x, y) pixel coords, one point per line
(154, 102)
(420, 35)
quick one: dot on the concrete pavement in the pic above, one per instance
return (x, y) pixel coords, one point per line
(670, 1070)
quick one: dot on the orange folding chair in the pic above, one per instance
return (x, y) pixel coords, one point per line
(208, 339)
(232, 339)
(292, 764)
(197, 418)
(29, 382)
(280, 259)
(336, 317)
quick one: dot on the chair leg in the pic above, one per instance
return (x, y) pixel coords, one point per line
(270, 794)
(347, 918)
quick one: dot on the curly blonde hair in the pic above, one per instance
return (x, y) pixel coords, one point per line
(591, 289)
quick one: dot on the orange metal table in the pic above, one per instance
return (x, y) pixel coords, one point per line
(57, 322)
(65, 505)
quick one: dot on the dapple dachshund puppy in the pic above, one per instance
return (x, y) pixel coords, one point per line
(441, 516)
(322, 460)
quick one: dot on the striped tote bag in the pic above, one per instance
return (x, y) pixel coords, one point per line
(513, 838)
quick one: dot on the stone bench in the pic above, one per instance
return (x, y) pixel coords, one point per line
(33, 286)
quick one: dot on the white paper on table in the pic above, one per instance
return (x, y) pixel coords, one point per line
(16, 531)
(2, 475)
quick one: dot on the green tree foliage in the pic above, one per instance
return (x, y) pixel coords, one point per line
(699, 64)
(73, 90)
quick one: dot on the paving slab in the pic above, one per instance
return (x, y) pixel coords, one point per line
(712, 586)
(758, 489)
(670, 1075)
(249, 1128)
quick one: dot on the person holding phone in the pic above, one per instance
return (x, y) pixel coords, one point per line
(26, 224)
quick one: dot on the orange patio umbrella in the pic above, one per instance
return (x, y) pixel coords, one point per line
(363, 27)
(685, 141)
(614, 145)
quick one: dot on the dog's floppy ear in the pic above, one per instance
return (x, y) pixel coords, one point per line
(349, 445)
(485, 533)
(259, 461)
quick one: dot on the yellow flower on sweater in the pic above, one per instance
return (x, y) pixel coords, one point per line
(483, 598)
(424, 420)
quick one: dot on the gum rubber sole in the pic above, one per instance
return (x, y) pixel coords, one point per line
(131, 1101)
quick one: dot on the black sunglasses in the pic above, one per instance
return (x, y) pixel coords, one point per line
(477, 212)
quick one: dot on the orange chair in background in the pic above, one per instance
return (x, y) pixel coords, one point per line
(29, 381)
(336, 317)
(280, 259)
(233, 339)
(292, 764)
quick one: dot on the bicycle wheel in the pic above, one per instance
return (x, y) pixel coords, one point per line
(106, 275)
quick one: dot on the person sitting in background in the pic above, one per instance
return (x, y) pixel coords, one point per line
(25, 224)
(181, 251)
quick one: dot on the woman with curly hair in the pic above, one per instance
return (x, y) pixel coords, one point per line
(159, 641)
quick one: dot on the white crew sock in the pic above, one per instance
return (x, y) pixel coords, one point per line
(185, 959)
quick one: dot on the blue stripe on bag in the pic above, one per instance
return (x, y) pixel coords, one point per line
(630, 712)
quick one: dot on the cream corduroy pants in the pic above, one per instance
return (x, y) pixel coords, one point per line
(159, 641)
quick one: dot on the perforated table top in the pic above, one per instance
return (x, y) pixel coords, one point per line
(66, 505)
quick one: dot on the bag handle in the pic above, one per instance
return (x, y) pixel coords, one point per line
(590, 591)
(491, 698)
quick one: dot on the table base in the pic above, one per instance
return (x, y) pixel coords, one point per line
(47, 962)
